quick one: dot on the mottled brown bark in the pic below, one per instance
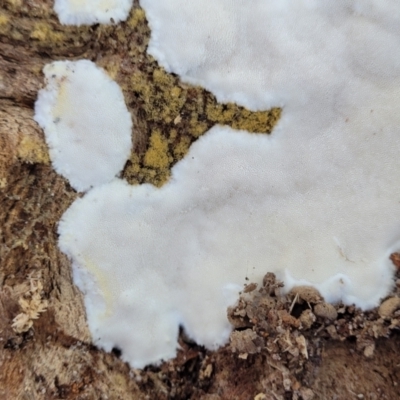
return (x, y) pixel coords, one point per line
(55, 359)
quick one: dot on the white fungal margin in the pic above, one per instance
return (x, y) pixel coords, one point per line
(86, 123)
(317, 202)
(89, 12)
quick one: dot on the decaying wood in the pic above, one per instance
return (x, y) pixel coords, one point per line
(280, 350)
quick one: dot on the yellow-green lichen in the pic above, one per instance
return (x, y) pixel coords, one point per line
(168, 115)
(111, 65)
(162, 98)
(137, 17)
(43, 32)
(14, 4)
(4, 23)
(241, 118)
(156, 155)
(32, 150)
(197, 128)
(135, 172)
(4, 19)
(156, 162)
(181, 147)
(177, 114)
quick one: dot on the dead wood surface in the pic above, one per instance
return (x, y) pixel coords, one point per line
(349, 357)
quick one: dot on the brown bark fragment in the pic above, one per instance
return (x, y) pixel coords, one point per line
(325, 310)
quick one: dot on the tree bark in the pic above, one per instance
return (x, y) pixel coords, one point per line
(54, 358)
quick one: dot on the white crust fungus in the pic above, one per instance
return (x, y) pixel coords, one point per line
(270, 53)
(86, 122)
(317, 202)
(89, 12)
(150, 259)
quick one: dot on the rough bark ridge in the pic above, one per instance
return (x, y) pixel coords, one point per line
(283, 347)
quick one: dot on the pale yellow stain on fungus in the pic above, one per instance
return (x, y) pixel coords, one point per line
(103, 5)
(102, 280)
(64, 105)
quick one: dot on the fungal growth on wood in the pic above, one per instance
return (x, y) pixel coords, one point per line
(316, 202)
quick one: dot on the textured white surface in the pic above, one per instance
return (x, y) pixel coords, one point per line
(86, 123)
(180, 254)
(89, 12)
(268, 52)
(316, 202)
